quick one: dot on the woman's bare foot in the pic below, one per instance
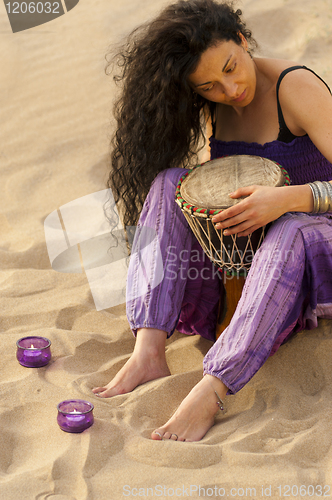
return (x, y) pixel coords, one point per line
(148, 362)
(195, 415)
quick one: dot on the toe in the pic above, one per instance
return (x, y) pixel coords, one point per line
(157, 436)
(101, 392)
(167, 435)
(95, 390)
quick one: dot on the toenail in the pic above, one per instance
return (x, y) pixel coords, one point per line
(158, 434)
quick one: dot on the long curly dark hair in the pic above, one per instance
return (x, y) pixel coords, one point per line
(160, 120)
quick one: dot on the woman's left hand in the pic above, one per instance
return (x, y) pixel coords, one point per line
(262, 205)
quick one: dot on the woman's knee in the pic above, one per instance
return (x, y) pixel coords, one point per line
(287, 228)
(284, 241)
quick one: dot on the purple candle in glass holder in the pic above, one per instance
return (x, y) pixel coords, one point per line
(75, 415)
(33, 352)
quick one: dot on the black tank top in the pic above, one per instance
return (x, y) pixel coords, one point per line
(285, 135)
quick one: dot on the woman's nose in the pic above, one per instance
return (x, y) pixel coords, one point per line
(231, 90)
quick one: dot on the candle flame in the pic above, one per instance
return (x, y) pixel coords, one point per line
(75, 411)
(32, 346)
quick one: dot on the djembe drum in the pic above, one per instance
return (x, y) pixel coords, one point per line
(202, 193)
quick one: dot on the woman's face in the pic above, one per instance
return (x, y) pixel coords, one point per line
(226, 74)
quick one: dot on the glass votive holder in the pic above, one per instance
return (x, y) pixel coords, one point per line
(33, 352)
(75, 415)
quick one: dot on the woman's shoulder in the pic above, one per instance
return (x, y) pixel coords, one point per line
(273, 68)
(276, 70)
(306, 104)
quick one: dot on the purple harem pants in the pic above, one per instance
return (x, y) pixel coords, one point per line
(289, 285)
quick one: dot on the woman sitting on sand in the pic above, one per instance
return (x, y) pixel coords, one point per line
(194, 63)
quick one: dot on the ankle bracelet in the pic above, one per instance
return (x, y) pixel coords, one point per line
(220, 403)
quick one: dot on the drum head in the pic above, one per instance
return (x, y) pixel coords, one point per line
(209, 185)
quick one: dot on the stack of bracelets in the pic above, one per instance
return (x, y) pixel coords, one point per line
(322, 194)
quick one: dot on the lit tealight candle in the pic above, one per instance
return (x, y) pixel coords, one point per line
(75, 415)
(33, 352)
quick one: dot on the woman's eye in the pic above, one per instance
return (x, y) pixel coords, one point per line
(209, 88)
(232, 68)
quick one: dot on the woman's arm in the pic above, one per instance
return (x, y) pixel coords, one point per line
(307, 109)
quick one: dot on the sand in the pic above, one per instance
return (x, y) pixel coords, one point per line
(55, 125)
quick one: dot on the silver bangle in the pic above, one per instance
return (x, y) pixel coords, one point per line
(315, 197)
(329, 190)
(322, 196)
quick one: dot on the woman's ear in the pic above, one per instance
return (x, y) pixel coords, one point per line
(244, 41)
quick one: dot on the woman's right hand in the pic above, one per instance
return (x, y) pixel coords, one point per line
(262, 204)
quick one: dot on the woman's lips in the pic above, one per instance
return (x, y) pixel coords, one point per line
(241, 97)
